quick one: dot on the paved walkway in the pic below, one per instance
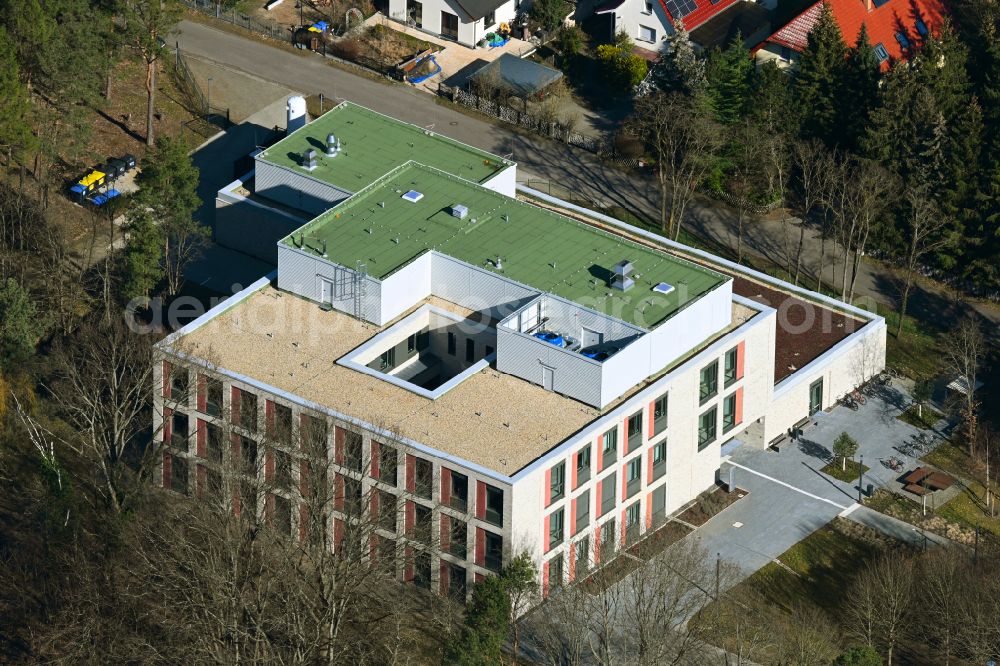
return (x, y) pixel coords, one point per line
(569, 169)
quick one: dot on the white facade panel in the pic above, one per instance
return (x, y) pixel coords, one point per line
(405, 287)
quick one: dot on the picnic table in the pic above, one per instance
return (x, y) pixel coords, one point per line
(923, 480)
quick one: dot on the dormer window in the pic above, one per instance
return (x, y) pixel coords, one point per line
(881, 53)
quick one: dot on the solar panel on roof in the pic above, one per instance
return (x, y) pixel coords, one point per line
(680, 8)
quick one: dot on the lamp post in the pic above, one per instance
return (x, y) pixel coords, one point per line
(861, 477)
(208, 111)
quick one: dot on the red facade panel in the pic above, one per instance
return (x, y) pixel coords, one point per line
(235, 400)
(740, 348)
(445, 485)
(201, 439)
(739, 405)
(411, 474)
(548, 486)
(480, 500)
(202, 393)
(166, 379)
(480, 546)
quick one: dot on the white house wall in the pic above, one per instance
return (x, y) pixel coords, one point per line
(843, 368)
(504, 182)
(401, 290)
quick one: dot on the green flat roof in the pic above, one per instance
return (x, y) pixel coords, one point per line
(545, 250)
(372, 144)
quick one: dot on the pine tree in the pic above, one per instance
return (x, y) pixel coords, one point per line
(20, 323)
(728, 75)
(771, 98)
(15, 132)
(860, 92)
(679, 69)
(142, 265)
(819, 79)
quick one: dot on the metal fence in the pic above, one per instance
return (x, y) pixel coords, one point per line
(209, 118)
(235, 17)
(552, 129)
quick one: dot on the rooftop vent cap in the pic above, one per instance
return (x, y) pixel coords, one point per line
(309, 159)
(332, 145)
(459, 211)
(622, 268)
(413, 196)
(663, 288)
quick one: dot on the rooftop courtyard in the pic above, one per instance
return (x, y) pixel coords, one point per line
(385, 227)
(371, 144)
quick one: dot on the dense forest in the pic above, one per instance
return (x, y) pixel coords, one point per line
(901, 164)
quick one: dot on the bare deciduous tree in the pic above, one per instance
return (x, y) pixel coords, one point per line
(964, 351)
(813, 165)
(683, 140)
(880, 607)
(925, 226)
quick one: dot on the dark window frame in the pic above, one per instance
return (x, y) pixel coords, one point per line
(708, 382)
(707, 435)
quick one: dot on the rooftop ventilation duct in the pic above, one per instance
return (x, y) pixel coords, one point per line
(620, 276)
(459, 211)
(332, 145)
(295, 113)
(309, 159)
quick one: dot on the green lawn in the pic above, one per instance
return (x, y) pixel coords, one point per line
(916, 352)
(818, 571)
(924, 418)
(969, 508)
(850, 475)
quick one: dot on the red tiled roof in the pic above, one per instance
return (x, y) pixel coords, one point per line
(883, 23)
(704, 10)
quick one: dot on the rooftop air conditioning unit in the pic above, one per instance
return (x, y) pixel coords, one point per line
(459, 211)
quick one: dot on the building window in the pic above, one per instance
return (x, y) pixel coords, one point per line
(470, 350)
(706, 428)
(282, 470)
(709, 382)
(816, 396)
(422, 570)
(459, 493)
(352, 496)
(786, 54)
(178, 384)
(281, 423)
(247, 417)
(489, 19)
(213, 399)
(423, 478)
(729, 369)
(582, 557)
(456, 583)
(451, 343)
(179, 431)
(632, 523)
(248, 453)
(557, 487)
(213, 483)
(557, 524)
(608, 540)
(494, 551)
(388, 359)
(647, 34)
(659, 459)
(607, 494)
(609, 444)
(411, 344)
(387, 514)
(660, 414)
(556, 571)
(583, 465)
(904, 43)
(281, 520)
(422, 524)
(633, 476)
(921, 28)
(457, 537)
(647, 8)
(635, 431)
(881, 53)
(582, 517)
(494, 505)
(659, 512)
(729, 413)
(352, 450)
(387, 464)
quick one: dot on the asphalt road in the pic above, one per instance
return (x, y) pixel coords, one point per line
(571, 171)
